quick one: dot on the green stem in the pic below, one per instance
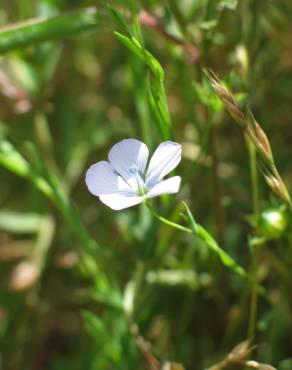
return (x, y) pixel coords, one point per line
(254, 179)
(169, 223)
(254, 295)
(254, 249)
(203, 234)
(216, 187)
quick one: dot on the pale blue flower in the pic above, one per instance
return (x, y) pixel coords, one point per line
(123, 180)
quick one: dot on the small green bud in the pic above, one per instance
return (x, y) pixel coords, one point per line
(273, 222)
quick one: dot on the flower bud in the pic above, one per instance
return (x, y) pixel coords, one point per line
(273, 222)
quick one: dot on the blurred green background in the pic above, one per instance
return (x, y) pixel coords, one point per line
(77, 279)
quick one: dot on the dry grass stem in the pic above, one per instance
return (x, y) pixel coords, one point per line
(256, 136)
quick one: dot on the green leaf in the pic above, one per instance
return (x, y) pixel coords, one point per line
(156, 93)
(14, 162)
(25, 75)
(228, 4)
(119, 19)
(94, 325)
(34, 31)
(227, 260)
(204, 235)
(192, 221)
(207, 96)
(133, 44)
(20, 222)
(158, 105)
(208, 25)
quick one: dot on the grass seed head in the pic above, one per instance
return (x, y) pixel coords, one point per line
(259, 138)
(227, 99)
(278, 186)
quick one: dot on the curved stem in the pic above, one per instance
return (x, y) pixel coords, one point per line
(167, 222)
(200, 232)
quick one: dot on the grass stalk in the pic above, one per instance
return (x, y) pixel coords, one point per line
(254, 249)
(217, 188)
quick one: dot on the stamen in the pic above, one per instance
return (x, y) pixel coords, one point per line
(134, 170)
(141, 187)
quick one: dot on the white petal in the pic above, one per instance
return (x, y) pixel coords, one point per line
(127, 153)
(118, 201)
(101, 179)
(169, 186)
(165, 158)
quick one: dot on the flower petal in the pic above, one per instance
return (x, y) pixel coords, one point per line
(101, 179)
(119, 201)
(169, 186)
(127, 153)
(165, 158)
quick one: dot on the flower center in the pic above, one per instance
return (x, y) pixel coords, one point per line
(138, 181)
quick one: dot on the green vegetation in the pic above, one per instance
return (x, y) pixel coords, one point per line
(196, 280)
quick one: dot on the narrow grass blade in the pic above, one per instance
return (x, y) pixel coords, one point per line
(14, 162)
(156, 92)
(20, 222)
(191, 219)
(38, 30)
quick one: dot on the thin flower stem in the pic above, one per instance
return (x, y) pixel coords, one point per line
(199, 232)
(169, 223)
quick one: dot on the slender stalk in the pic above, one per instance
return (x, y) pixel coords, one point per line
(254, 249)
(169, 223)
(200, 232)
(254, 295)
(217, 188)
(254, 179)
